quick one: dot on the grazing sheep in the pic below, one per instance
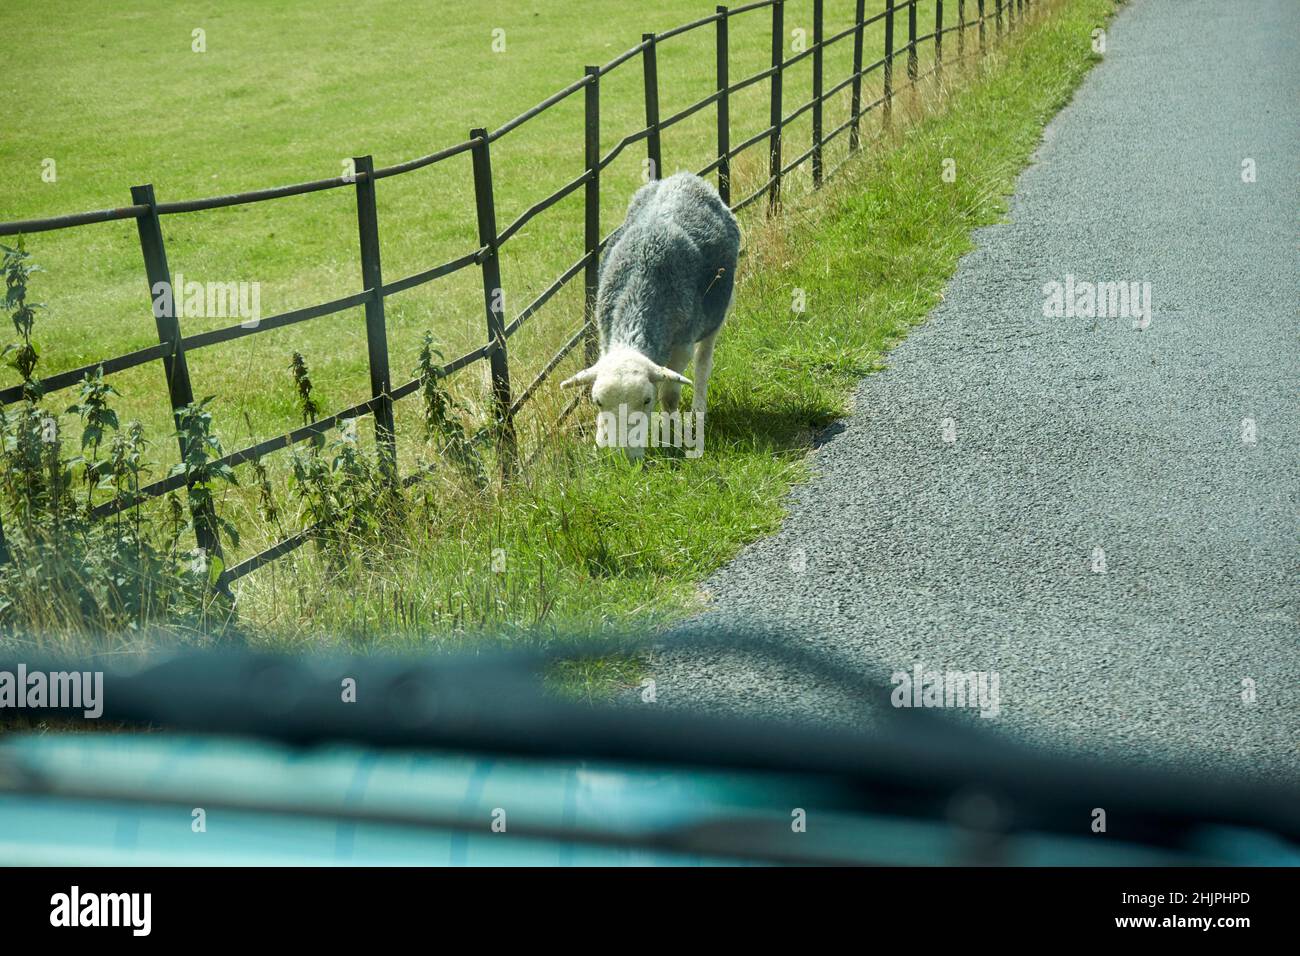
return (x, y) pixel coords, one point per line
(666, 284)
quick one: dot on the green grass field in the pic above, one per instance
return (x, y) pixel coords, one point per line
(247, 113)
(286, 92)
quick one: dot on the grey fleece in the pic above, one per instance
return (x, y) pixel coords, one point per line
(668, 271)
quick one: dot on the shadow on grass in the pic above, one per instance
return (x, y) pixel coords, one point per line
(770, 426)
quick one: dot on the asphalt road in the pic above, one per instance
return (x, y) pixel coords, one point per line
(1071, 434)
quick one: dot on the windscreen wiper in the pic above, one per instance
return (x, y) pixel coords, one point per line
(912, 763)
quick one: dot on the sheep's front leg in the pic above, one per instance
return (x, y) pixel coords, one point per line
(670, 395)
(670, 392)
(703, 367)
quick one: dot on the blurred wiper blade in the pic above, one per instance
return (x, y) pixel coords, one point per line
(912, 762)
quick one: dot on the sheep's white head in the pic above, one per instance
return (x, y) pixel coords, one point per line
(624, 383)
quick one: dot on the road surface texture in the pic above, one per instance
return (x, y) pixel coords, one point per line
(1178, 640)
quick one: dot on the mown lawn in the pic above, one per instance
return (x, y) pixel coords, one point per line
(286, 92)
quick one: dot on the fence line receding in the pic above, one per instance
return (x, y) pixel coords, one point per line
(173, 346)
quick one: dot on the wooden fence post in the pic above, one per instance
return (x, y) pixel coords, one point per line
(654, 148)
(591, 280)
(493, 297)
(961, 29)
(998, 20)
(855, 105)
(817, 94)
(911, 45)
(983, 44)
(774, 141)
(179, 390)
(938, 38)
(889, 63)
(372, 279)
(724, 110)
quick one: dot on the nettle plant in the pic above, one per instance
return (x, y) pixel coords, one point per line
(344, 492)
(341, 491)
(63, 570)
(21, 356)
(85, 551)
(442, 417)
(203, 469)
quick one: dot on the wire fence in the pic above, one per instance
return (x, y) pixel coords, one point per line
(173, 346)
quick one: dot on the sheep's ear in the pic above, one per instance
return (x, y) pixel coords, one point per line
(660, 373)
(586, 375)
